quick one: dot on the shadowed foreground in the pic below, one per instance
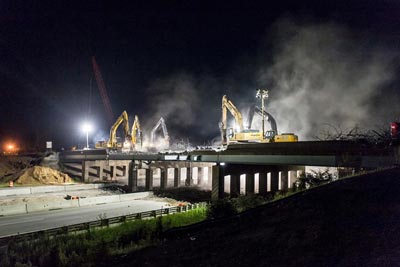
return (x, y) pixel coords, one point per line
(351, 222)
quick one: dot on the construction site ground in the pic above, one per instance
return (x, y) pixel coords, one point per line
(350, 222)
(54, 196)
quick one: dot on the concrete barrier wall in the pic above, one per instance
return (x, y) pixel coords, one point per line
(47, 189)
(13, 209)
(15, 191)
(63, 204)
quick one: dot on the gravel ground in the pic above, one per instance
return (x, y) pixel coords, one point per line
(47, 197)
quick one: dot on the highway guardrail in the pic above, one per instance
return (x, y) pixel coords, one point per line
(104, 222)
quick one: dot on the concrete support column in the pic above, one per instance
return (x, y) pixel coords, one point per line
(274, 181)
(101, 173)
(85, 172)
(217, 183)
(235, 185)
(189, 179)
(177, 177)
(209, 170)
(292, 178)
(163, 177)
(149, 179)
(249, 183)
(132, 177)
(263, 183)
(284, 179)
(200, 175)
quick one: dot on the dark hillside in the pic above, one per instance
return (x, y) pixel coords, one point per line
(352, 222)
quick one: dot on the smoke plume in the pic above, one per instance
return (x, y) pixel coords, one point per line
(317, 75)
(187, 103)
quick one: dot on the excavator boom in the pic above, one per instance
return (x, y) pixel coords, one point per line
(123, 118)
(161, 122)
(258, 136)
(257, 110)
(136, 132)
(228, 105)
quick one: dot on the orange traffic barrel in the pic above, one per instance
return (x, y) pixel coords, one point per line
(11, 184)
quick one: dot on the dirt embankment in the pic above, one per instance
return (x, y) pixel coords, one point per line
(30, 170)
(352, 222)
(12, 166)
(42, 175)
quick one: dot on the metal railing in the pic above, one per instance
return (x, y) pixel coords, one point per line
(103, 222)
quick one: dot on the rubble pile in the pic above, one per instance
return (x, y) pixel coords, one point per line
(43, 175)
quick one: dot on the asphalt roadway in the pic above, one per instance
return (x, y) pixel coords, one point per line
(24, 223)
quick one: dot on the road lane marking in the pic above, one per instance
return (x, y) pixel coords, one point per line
(4, 224)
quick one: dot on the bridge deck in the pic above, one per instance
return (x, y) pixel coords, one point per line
(311, 153)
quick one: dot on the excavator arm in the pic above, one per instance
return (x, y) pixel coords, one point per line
(136, 133)
(161, 123)
(257, 110)
(228, 105)
(123, 118)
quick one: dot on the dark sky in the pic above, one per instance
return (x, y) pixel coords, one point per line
(45, 50)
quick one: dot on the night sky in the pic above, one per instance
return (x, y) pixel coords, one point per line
(169, 58)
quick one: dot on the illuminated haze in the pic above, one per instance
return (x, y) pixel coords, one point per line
(317, 75)
(324, 74)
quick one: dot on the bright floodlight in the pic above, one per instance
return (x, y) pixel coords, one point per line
(87, 128)
(262, 93)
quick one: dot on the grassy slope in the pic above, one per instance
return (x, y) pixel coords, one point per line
(351, 222)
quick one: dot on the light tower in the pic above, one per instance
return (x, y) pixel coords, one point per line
(87, 128)
(263, 94)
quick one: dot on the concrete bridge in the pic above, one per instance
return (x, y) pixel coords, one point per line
(240, 169)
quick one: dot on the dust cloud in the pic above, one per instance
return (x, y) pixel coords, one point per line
(325, 74)
(317, 75)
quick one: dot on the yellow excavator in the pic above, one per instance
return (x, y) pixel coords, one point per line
(136, 133)
(241, 135)
(132, 138)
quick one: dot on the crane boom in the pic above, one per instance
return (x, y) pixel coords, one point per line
(103, 90)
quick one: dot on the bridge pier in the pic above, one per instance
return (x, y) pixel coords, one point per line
(104, 170)
(177, 176)
(200, 176)
(189, 178)
(259, 179)
(235, 185)
(217, 182)
(263, 183)
(163, 178)
(249, 190)
(133, 177)
(149, 179)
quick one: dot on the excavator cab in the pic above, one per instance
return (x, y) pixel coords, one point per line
(270, 134)
(231, 133)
